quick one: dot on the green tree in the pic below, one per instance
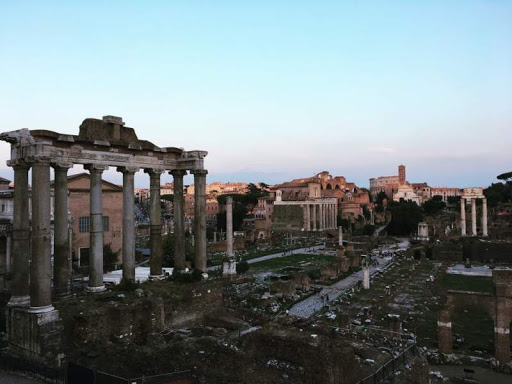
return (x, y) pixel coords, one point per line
(168, 251)
(380, 197)
(507, 177)
(405, 216)
(453, 200)
(433, 206)
(498, 193)
(242, 267)
(168, 197)
(368, 230)
(110, 258)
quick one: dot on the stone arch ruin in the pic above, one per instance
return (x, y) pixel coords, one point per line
(498, 306)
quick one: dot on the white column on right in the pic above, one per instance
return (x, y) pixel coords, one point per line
(462, 216)
(484, 217)
(473, 217)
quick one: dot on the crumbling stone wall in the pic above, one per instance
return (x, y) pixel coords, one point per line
(498, 306)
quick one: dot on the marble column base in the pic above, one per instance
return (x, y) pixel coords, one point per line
(44, 309)
(98, 289)
(19, 301)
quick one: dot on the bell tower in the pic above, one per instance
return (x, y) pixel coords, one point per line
(401, 175)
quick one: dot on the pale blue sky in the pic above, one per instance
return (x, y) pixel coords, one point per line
(274, 89)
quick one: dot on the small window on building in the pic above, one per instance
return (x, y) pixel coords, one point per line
(3, 207)
(106, 224)
(83, 224)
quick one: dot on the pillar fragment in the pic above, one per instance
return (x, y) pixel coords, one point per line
(179, 219)
(473, 217)
(484, 218)
(40, 265)
(128, 222)
(62, 255)
(200, 218)
(229, 263)
(155, 224)
(308, 218)
(20, 292)
(462, 216)
(96, 229)
(313, 208)
(321, 216)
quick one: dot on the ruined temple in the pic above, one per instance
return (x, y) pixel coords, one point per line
(33, 324)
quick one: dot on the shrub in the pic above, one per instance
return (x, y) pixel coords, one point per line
(242, 267)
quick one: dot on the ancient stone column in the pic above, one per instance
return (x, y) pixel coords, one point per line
(40, 265)
(444, 325)
(502, 343)
(179, 219)
(128, 222)
(96, 230)
(484, 217)
(313, 206)
(20, 237)
(200, 218)
(8, 245)
(229, 226)
(156, 225)
(229, 262)
(462, 216)
(62, 256)
(308, 218)
(340, 236)
(321, 217)
(366, 274)
(473, 217)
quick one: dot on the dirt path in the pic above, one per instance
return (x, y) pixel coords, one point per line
(312, 304)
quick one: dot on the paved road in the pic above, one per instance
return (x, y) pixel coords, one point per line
(276, 255)
(312, 304)
(282, 254)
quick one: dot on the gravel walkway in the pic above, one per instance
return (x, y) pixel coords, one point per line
(312, 304)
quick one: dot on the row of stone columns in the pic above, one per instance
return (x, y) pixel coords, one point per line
(319, 217)
(31, 254)
(473, 216)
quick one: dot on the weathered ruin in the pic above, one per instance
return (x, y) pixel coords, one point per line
(229, 262)
(472, 194)
(498, 306)
(33, 324)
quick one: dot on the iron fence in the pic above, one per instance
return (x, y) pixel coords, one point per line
(72, 373)
(392, 366)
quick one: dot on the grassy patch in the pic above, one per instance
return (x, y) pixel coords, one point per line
(476, 327)
(466, 283)
(292, 260)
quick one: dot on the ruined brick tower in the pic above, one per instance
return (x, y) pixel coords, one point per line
(401, 175)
